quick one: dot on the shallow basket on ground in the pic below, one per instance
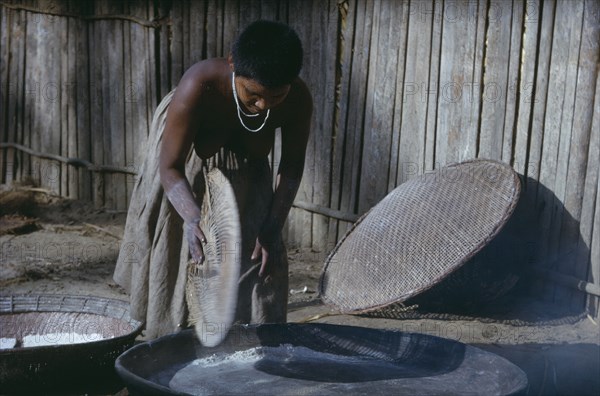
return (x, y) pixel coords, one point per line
(78, 339)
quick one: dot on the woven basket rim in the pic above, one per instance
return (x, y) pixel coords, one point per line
(64, 303)
(498, 226)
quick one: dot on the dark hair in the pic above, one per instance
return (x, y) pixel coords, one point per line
(268, 52)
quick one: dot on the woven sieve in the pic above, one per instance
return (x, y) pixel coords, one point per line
(212, 286)
(418, 235)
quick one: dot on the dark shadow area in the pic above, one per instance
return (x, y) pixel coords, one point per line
(106, 382)
(541, 235)
(551, 369)
(92, 375)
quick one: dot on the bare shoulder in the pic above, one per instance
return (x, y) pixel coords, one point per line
(300, 96)
(202, 77)
(296, 125)
(299, 108)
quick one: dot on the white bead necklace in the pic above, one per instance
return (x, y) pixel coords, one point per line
(240, 111)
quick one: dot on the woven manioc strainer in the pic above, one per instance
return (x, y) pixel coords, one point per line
(212, 286)
(418, 235)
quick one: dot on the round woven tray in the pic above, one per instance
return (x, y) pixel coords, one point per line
(211, 287)
(418, 235)
(59, 366)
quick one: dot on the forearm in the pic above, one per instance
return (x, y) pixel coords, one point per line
(285, 193)
(180, 194)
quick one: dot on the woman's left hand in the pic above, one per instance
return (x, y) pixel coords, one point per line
(260, 253)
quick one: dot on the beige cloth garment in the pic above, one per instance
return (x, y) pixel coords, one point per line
(154, 253)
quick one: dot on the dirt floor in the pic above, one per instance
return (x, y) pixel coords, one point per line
(52, 245)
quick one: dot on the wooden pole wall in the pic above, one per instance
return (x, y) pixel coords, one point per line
(400, 88)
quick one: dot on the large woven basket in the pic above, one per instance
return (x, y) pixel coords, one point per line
(58, 367)
(420, 234)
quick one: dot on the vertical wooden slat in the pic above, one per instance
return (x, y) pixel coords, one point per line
(563, 104)
(357, 92)
(411, 96)
(495, 80)
(311, 28)
(595, 258)
(97, 50)
(388, 47)
(12, 122)
(157, 84)
(283, 11)
(218, 21)
(30, 96)
(311, 32)
(325, 20)
(51, 142)
(178, 13)
(84, 97)
(140, 96)
(433, 86)
(572, 43)
(551, 143)
(159, 53)
(6, 166)
(109, 96)
(24, 97)
(227, 24)
(255, 9)
(588, 251)
(197, 15)
(526, 87)
(128, 103)
(540, 94)
(51, 95)
(245, 14)
(590, 211)
(113, 111)
(460, 72)
(69, 88)
(33, 91)
(296, 217)
(371, 151)
(511, 95)
(230, 25)
(79, 105)
(118, 129)
(471, 96)
(540, 98)
(268, 9)
(300, 15)
(347, 30)
(63, 100)
(22, 160)
(46, 70)
(211, 29)
(186, 23)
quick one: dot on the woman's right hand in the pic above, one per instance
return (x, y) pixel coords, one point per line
(195, 238)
